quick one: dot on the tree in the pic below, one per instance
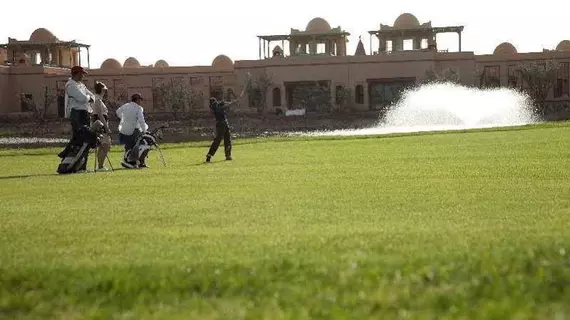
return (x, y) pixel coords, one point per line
(178, 96)
(256, 90)
(313, 96)
(344, 97)
(445, 75)
(196, 99)
(49, 96)
(540, 77)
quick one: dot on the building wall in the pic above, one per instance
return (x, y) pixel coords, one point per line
(6, 91)
(347, 71)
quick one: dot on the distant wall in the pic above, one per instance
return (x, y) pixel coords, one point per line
(7, 93)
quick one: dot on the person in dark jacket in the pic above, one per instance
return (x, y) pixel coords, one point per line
(220, 110)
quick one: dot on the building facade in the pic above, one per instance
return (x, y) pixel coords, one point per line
(305, 69)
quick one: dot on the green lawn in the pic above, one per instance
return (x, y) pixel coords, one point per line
(472, 225)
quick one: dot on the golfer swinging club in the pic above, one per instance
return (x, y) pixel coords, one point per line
(220, 109)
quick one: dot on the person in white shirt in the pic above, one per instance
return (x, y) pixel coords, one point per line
(101, 113)
(132, 124)
(78, 101)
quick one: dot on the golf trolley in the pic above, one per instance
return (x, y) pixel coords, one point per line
(145, 142)
(74, 156)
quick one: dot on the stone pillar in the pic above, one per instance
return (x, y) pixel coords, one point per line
(382, 46)
(459, 33)
(313, 46)
(366, 97)
(417, 43)
(397, 44)
(342, 46)
(431, 41)
(283, 97)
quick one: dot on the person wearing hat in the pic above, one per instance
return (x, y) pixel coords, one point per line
(220, 110)
(78, 101)
(101, 113)
(132, 124)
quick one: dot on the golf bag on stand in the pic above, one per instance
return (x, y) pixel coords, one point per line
(75, 157)
(137, 155)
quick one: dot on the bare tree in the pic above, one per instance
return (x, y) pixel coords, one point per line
(257, 91)
(344, 97)
(40, 110)
(540, 77)
(195, 99)
(176, 95)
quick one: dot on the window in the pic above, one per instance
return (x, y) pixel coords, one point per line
(408, 44)
(277, 97)
(216, 81)
(195, 81)
(359, 94)
(562, 84)
(515, 79)
(384, 92)
(491, 77)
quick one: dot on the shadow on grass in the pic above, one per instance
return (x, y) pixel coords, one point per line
(23, 176)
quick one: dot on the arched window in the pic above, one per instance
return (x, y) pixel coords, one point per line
(359, 94)
(277, 97)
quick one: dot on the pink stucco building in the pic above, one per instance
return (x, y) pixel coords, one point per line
(315, 56)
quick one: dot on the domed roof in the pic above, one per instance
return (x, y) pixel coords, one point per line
(406, 21)
(318, 25)
(505, 48)
(131, 62)
(223, 62)
(564, 45)
(42, 35)
(161, 64)
(111, 64)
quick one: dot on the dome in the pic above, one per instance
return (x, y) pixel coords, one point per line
(131, 63)
(564, 45)
(406, 21)
(111, 64)
(505, 48)
(277, 50)
(222, 62)
(161, 64)
(42, 35)
(318, 25)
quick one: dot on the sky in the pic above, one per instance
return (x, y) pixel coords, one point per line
(186, 33)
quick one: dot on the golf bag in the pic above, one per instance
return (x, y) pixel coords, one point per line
(76, 157)
(137, 155)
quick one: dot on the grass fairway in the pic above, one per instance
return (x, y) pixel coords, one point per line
(429, 226)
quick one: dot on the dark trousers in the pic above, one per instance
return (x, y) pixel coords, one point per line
(130, 141)
(222, 132)
(78, 119)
